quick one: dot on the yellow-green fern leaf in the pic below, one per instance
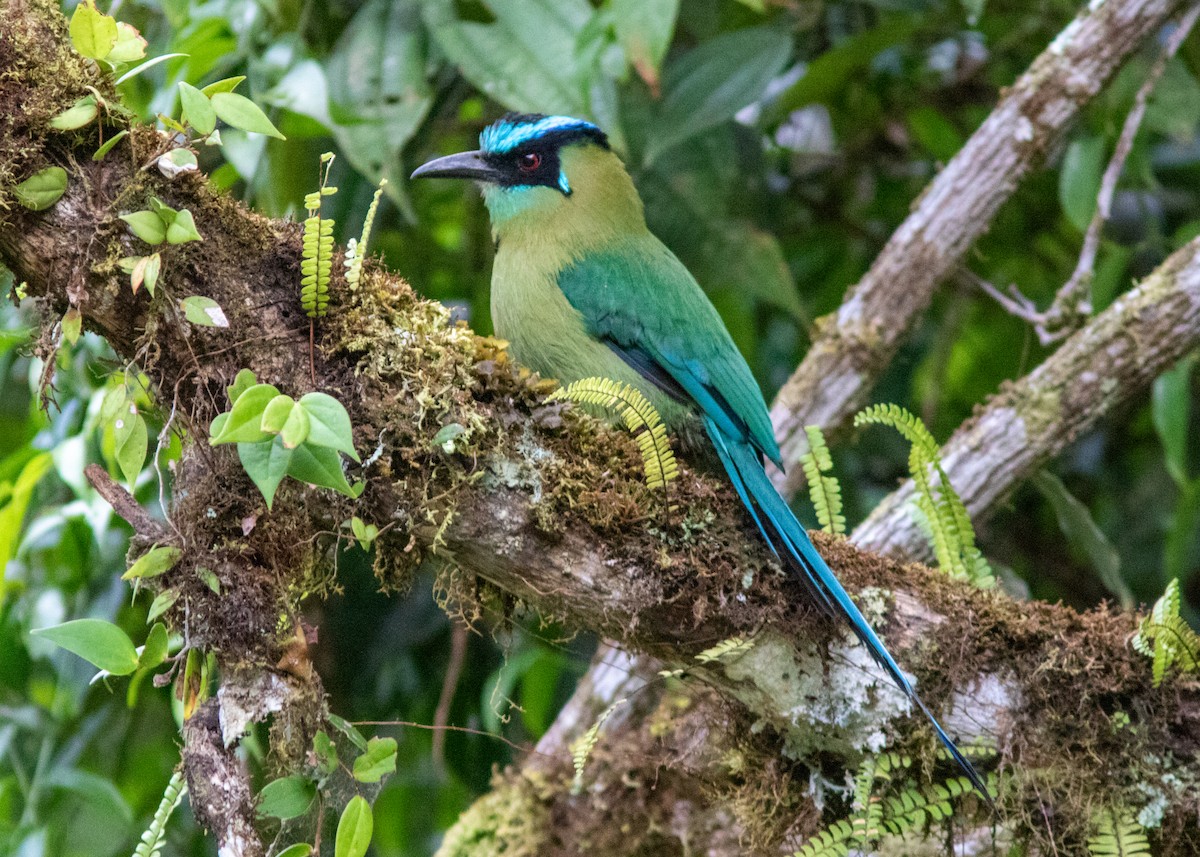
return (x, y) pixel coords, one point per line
(1166, 638)
(638, 415)
(1118, 835)
(356, 251)
(316, 262)
(833, 841)
(582, 749)
(823, 490)
(726, 650)
(155, 837)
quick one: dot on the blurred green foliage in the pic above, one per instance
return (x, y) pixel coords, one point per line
(776, 145)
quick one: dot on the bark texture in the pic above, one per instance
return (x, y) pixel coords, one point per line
(549, 506)
(856, 343)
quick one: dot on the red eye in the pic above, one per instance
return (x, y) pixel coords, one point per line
(529, 163)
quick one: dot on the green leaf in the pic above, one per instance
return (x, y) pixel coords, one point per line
(378, 91)
(266, 464)
(287, 797)
(42, 189)
(227, 84)
(100, 643)
(210, 579)
(240, 112)
(197, 109)
(300, 849)
(828, 74)
(712, 82)
(155, 650)
(1082, 532)
(146, 225)
(1079, 179)
(77, 115)
(72, 325)
(275, 414)
(320, 466)
(330, 423)
(377, 762)
(1172, 403)
(132, 439)
(243, 381)
(151, 271)
(172, 164)
(106, 147)
(325, 752)
(644, 29)
(354, 829)
(130, 45)
(162, 603)
(146, 66)
(92, 32)
(348, 729)
(183, 228)
(203, 311)
(153, 562)
(244, 424)
(526, 66)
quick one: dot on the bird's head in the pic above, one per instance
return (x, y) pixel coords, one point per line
(541, 169)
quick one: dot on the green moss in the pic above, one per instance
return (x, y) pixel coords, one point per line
(509, 820)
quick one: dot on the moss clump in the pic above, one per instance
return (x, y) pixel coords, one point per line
(509, 820)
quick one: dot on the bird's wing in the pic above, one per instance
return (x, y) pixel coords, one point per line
(639, 298)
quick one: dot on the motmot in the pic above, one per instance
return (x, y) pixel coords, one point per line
(581, 288)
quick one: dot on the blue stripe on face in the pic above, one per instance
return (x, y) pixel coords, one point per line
(501, 137)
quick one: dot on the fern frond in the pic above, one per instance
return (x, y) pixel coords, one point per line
(356, 251)
(316, 263)
(908, 424)
(944, 514)
(833, 841)
(1118, 835)
(823, 490)
(582, 749)
(725, 650)
(1166, 638)
(639, 416)
(156, 834)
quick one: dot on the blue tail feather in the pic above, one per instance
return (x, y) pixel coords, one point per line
(789, 541)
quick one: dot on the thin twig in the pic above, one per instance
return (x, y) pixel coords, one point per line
(1072, 304)
(458, 654)
(124, 504)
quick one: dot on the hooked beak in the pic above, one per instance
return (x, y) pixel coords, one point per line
(464, 165)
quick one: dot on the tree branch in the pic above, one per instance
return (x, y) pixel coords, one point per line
(855, 344)
(546, 507)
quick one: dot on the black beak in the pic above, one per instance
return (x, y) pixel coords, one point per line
(464, 165)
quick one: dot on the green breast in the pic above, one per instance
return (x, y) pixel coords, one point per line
(549, 335)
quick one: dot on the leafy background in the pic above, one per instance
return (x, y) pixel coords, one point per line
(777, 145)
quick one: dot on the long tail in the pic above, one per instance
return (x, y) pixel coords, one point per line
(788, 539)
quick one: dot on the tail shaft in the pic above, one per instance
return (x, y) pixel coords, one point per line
(788, 539)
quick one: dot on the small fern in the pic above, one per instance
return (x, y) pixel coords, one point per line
(1166, 638)
(156, 834)
(316, 264)
(873, 816)
(639, 416)
(823, 490)
(726, 650)
(582, 749)
(1118, 835)
(833, 841)
(941, 508)
(356, 251)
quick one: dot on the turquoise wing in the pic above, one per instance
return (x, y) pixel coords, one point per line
(639, 298)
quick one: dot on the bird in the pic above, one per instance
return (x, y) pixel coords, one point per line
(581, 288)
